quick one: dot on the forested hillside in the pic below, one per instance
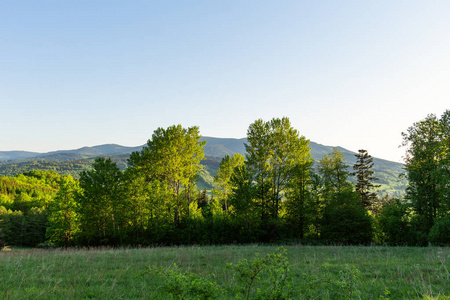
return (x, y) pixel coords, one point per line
(72, 162)
(24, 200)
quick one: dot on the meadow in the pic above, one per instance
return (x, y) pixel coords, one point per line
(315, 272)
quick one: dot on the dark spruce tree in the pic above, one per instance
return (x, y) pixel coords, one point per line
(365, 178)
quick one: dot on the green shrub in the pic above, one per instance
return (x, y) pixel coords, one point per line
(393, 222)
(274, 266)
(183, 285)
(440, 232)
(347, 224)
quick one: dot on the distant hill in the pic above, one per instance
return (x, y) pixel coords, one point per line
(7, 155)
(66, 155)
(74, 161)
(219, 147)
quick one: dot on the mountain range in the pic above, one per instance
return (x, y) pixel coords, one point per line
(73, 161)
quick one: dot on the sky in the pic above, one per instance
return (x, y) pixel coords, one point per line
(354, 74)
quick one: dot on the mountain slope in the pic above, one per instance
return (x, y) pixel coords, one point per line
(66, 155)
(219, 147)
(73, 161)
(7, 155)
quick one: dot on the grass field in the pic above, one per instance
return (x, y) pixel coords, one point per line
(316, 272)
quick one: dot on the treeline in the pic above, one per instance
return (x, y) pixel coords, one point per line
(273, 194)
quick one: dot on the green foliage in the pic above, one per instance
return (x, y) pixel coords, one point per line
(427, 165)
(183, 285)
(301, 207)
(172, 157)
(101, 206)
(24, 199)
(274, 149)
(222, 180)
(274, 266)
(440, 232)
(72, 167)
(36, 225)
(277, 168)
(345, 221)
(245, 209)
(17, 228)
(393, 221)
(63, 219)
(333, 169)
(365, 178)
(272, 195)
(12, 227)
(344, 285)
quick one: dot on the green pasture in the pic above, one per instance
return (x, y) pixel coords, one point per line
(315, 272)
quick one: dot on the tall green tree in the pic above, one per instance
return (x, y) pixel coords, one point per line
(149, 212)
(333, 170)
(245, 205)
(63, 219)
(222, 179)
(365, 178)
(274, 151)
(428, 168)
(101, 203)
(300, 205)
(258, 153)
(344, 219)
(173, 157)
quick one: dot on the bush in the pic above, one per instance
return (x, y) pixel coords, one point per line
(347, 224)
(393, 222)
(440, 232)
(183, 285)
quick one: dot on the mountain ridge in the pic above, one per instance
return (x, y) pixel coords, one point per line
(71, 162)
(214, 147)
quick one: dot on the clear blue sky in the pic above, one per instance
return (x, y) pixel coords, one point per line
(347, 73)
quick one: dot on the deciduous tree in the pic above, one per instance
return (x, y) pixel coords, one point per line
(63, 219)
(172, 157)
(428, 168)
(274, 151)
(101, 203)
(223, 176)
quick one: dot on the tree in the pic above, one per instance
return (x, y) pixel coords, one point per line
(245, 207)
(347, 223)
(428, 168)
(333, 169)
(62, 213)
(393, 222)
(149, 213)
(274, 151)
(258, 154)
(300, 206)
(365, 178)
(101, 204)
(222, 180)
(172, 157)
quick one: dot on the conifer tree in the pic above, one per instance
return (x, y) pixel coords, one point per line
(365, 178)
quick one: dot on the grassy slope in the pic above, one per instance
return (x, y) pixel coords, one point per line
(407, 273)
